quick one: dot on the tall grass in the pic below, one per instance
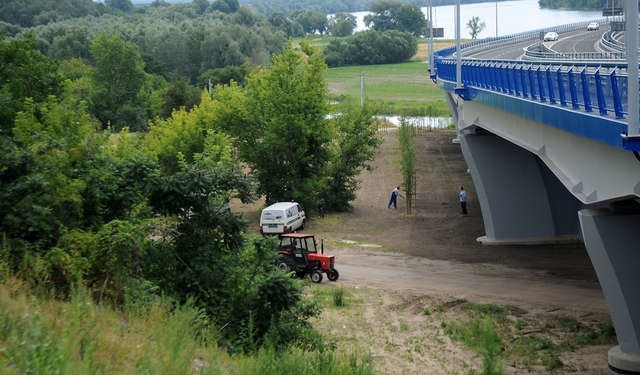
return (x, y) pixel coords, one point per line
(46, 336)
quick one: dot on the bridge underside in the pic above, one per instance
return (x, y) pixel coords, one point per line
(559, 190)
(522, 201)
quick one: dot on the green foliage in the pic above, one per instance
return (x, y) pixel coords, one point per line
(395, 15)
(575, 4)
(371, 47)
(117, 79)
(30, 13)
(407, 161)
(41, 189)
(26, 73)
(480, 335)
(312, 22)
(355, 143)
(342, 24)
(475, 26)
(339, 297)
(286, 141)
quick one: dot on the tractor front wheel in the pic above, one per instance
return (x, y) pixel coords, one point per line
(333, 274)
(316, 276)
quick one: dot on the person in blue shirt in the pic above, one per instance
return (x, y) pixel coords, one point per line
(463, 200)
(394, 197)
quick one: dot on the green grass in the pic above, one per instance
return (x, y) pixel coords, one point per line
(402, 89)
(46, 336)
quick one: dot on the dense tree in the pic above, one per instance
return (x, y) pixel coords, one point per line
(371, 47)
(283, 23)
(24, 73)
(394, 15)
(117, 79)
(342, 24)
(122, 5)
(578, 4)
(225, 6)
(200, 5)
(354, 146)
(475, 26)
(30, 13)
(312, 22)
(286, 141)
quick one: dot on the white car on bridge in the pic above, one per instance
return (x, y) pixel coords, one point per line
(551, 36)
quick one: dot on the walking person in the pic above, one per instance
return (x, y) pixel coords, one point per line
(463, 200)
(395, 193)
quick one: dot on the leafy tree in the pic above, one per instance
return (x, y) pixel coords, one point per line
(280, 126)
(180, 95)
(371, 47)
(117, 79)
(226, 6)
(41, 187)
(394, 15)
(312, 22)
(31, 13)
(200, 5)
(283, 23)
(342, 24)
(354, 146)
(26, 73)
(224, 76)
(475, 26)
(123, 5)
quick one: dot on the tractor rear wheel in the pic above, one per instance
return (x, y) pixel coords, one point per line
(316, 276)
(333, 274)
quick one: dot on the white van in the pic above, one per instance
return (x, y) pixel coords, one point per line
(282, 217)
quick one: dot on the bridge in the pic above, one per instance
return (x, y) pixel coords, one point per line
(550, 135)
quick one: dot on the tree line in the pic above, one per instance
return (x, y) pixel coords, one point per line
(579, 4)
(139, 215)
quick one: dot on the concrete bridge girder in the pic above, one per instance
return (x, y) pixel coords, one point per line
(592, 171)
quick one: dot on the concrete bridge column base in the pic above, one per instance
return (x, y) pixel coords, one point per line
(611, 239)
(522, 201)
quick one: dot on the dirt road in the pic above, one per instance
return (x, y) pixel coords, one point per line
(434, 249)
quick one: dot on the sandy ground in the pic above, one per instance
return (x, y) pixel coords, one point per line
(407, 273)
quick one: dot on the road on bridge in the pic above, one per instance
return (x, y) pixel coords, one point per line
(575, 41)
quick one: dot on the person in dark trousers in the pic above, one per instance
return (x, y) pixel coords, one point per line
(394, 197)
(463, 200)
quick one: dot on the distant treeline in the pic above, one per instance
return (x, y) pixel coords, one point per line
(333, 6)
(580, 4)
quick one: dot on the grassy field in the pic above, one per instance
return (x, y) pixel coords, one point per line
(400, 89)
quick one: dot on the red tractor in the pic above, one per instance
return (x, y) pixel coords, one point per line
(298, 253)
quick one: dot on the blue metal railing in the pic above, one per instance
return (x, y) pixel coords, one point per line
(578, 85)
(581, 87)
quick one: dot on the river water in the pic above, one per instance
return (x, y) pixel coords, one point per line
(513, 17)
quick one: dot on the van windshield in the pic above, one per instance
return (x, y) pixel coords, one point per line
(271, 215)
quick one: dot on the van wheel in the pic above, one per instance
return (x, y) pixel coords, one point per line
(303, 223)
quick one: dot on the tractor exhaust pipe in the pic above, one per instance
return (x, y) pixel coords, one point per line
(322, 246)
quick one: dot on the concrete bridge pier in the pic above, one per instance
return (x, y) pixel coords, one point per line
(611, 238)
(522, 201)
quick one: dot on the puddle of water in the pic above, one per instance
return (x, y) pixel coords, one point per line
(419, 121)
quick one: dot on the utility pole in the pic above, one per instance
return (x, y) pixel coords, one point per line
(361, 89)
(496, 18)
(458, 52)
(430, 57)
(631, 42)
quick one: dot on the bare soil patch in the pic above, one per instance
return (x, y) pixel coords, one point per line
(408, 276)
